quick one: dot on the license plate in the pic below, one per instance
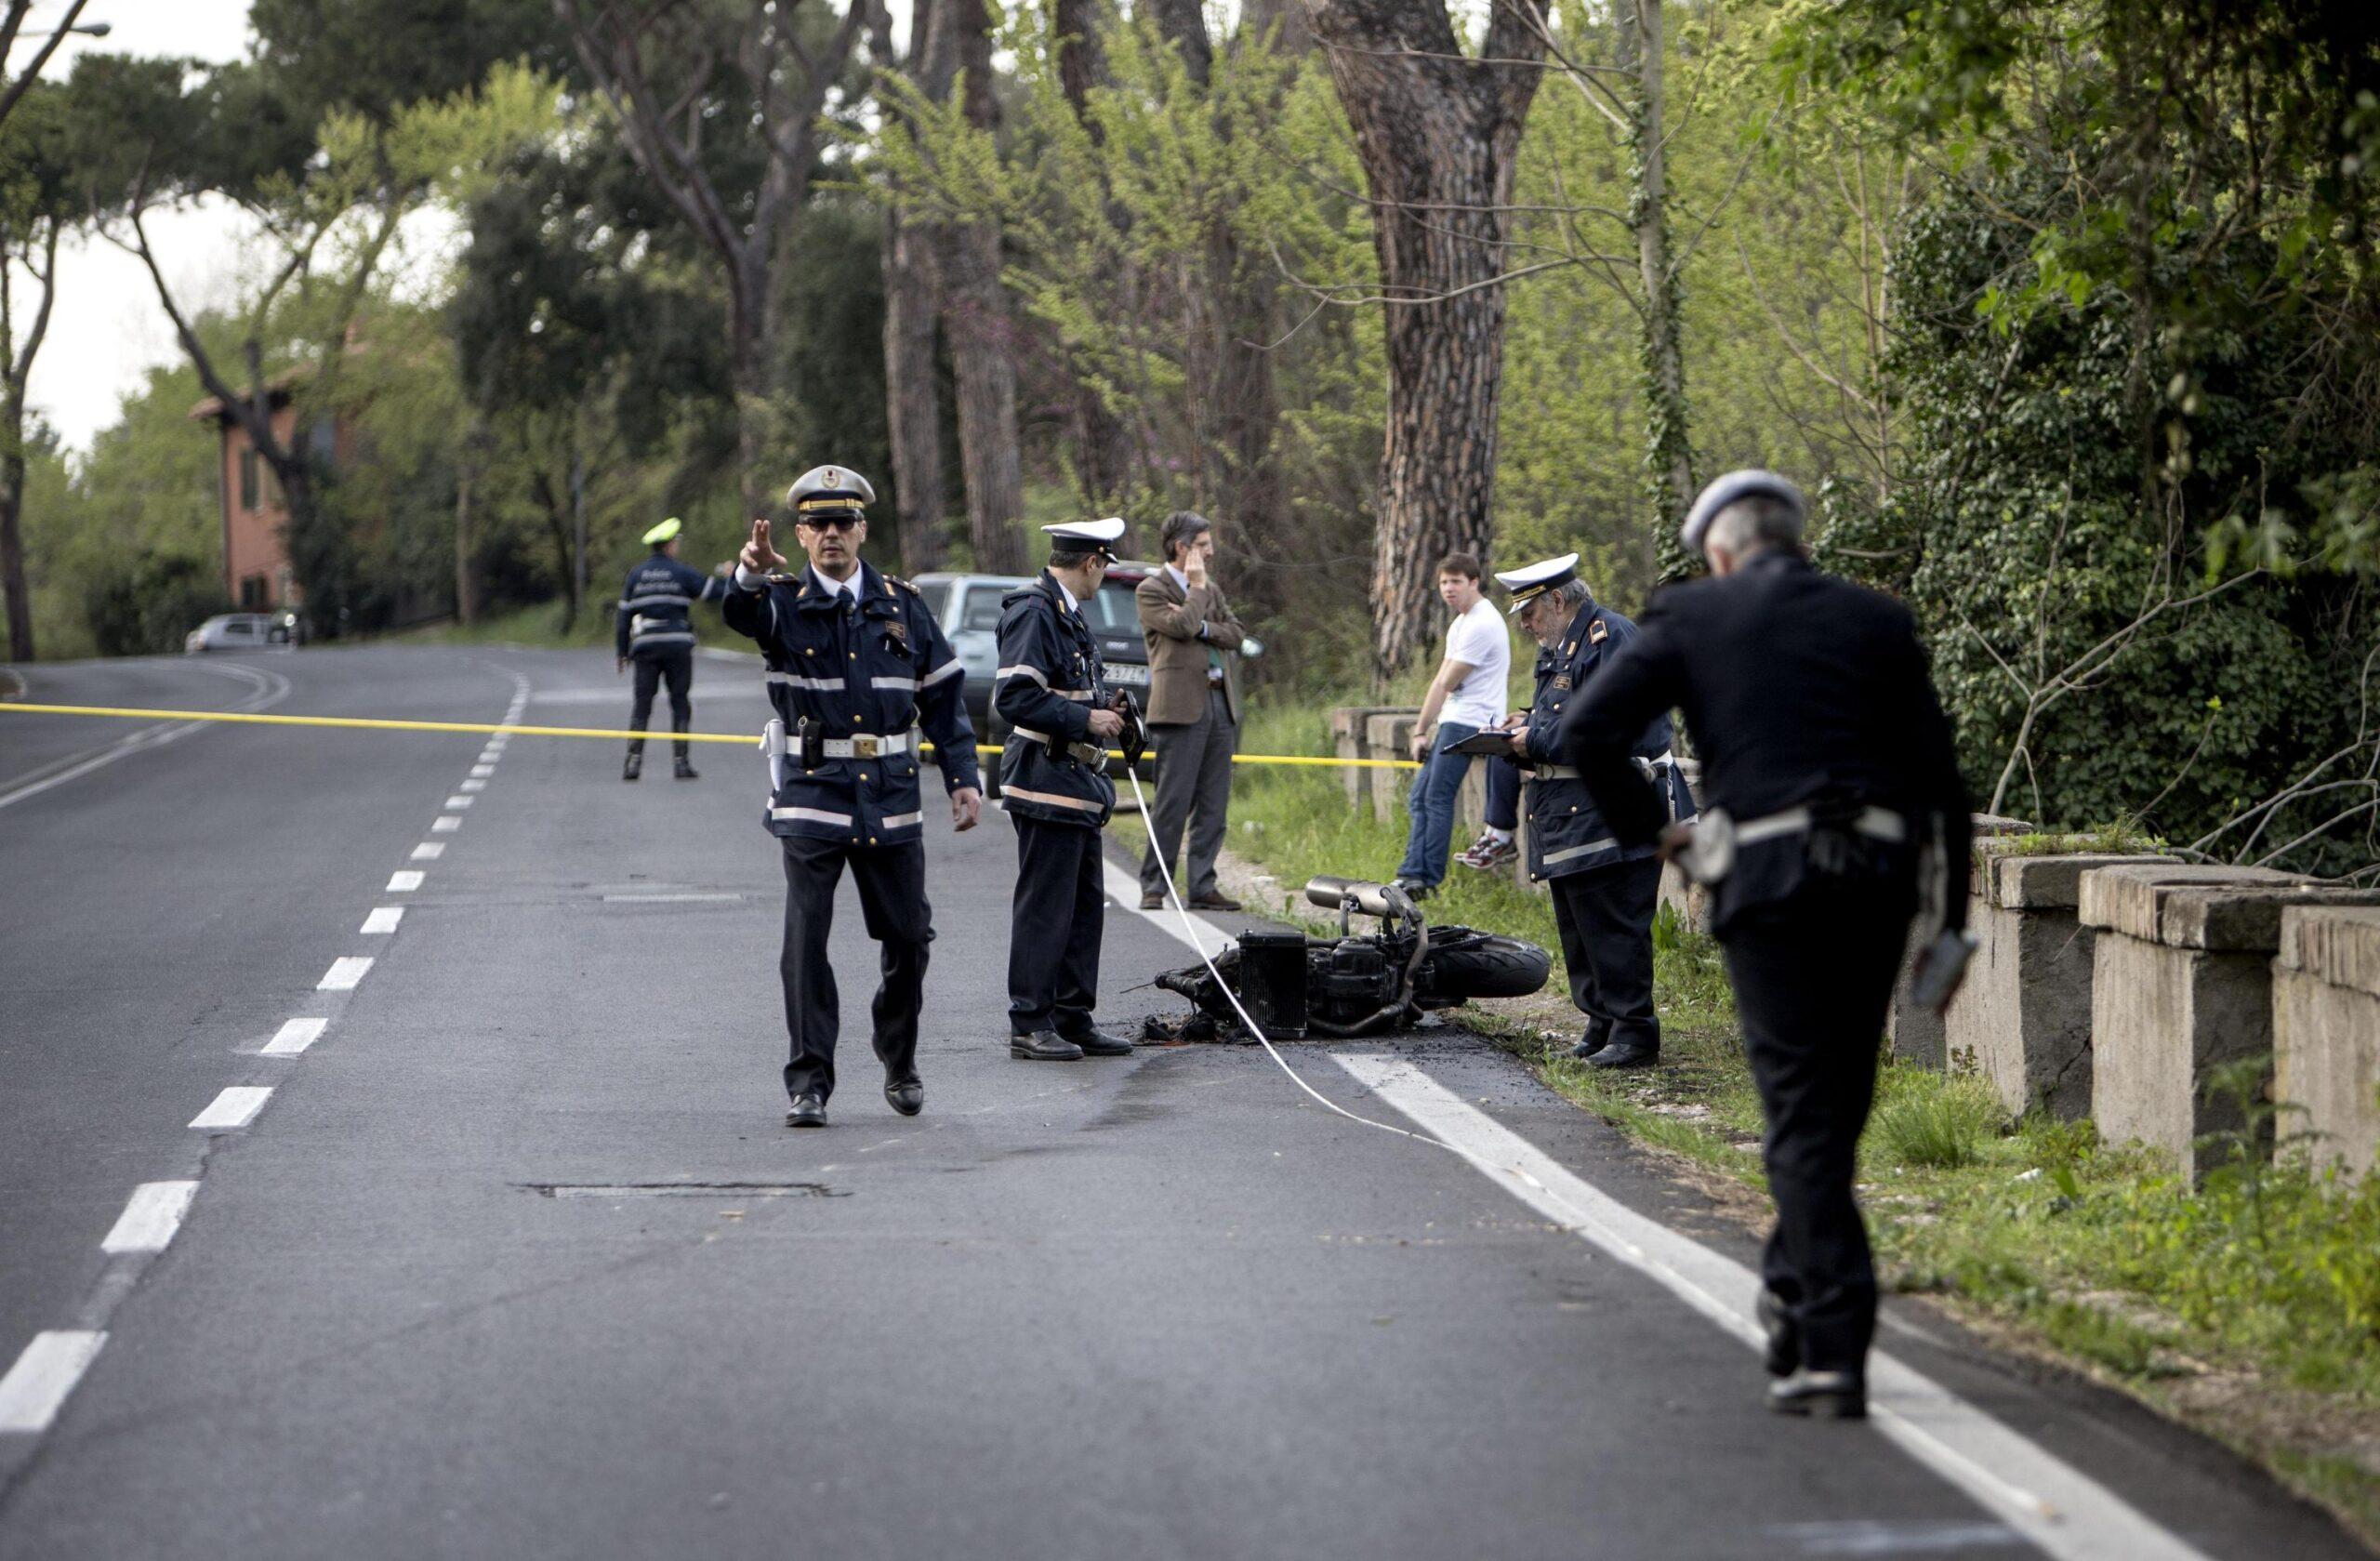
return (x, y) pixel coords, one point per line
(1128, 673)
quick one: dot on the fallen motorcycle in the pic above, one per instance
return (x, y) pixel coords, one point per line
(1295, 986)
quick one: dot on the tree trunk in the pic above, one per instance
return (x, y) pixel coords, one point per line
(983, 345)
(1437, 137)
(912, 302)
(12, 543)
(1102, 444)
(1668, 450)
(749, 353)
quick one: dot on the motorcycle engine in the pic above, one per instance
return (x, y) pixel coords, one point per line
(1351, 979)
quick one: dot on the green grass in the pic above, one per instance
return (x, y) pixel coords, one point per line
(538, 627)
(2248, 1308)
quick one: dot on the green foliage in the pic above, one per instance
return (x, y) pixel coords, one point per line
(1928, 1121)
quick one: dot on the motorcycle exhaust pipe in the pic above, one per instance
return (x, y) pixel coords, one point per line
(1358, 894)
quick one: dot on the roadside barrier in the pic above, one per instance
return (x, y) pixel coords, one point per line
(364, 723)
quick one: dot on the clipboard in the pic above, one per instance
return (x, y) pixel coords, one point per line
(1494, 744)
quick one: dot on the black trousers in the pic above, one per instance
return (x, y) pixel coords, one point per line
(1193, 786)
(1606, 917)
(891, 882)
(675, 664)
(1056, 920)
(1812, 978)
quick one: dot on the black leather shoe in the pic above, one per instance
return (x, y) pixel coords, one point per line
(809, 1111)
(1820, 1395)
(633, 768)
(1099, 1043)
(907, 1097)
(1590, 1043)
(1625, 1055)
(1216, 902)
(1043, 1046)
(1783, 1356)
(686, 771)
(1152, 902)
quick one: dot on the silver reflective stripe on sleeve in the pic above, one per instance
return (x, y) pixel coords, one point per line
(950, 669)
(1052, 798)
(1080, 695)
(903, 820)
(1606, 844)
(821, 685)
(811, 816)
(909, 683)
(1021, 671)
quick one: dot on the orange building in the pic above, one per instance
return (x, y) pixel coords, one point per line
(255, 517)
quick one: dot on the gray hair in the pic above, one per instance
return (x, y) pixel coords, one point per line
(1754, 522)
(1181, 527)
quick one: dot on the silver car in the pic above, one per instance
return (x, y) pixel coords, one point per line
(242, 631)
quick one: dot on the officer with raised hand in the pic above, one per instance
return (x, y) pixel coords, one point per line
(855, 665)
(1052, 693)
(1826, 763)
(654, 628)
(1604, 890)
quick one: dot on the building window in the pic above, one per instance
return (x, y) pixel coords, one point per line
(254, 592)
(249, 480)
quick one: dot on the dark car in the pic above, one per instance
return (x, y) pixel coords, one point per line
(968, 607)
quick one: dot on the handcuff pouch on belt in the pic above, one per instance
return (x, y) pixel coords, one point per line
(811, 735)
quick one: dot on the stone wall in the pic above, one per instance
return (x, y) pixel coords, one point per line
(1915, 1033)
(2326, 1031)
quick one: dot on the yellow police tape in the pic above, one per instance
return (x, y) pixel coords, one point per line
(362, 723)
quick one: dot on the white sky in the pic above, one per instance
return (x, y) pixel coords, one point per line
(106, 328)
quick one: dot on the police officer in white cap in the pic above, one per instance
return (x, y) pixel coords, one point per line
(1052, 693)
(654, 628)
(1604, 890)
(1825, 762)
(856, 665)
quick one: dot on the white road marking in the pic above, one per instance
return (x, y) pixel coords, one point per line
(491, 756)
(295, 1035)
(236, 1107)
(35, 1388)
(754, 689)
(404, 881)
(383, 919)
(474, 786)
(1125, 890)
(428, 851)
(346, 972)
(444, 824)
(2056, 1506)
(457, 804)
(151, 1218)
(481, 772)
(272, 688)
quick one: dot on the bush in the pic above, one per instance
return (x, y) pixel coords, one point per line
(1932, 1121)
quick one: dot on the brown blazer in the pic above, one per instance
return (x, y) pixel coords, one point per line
(1170, 620)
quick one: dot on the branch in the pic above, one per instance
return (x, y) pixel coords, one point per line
(17, 88)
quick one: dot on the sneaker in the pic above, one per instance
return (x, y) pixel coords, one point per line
(1487, 852)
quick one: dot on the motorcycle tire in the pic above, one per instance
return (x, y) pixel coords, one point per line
(1486, 966)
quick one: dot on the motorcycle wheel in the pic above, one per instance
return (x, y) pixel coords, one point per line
(1486, 966)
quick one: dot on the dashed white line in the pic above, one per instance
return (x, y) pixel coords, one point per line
(151, 1218)
(481, 772)
(428, 851)
(383, 919)
(404, 881)
(295, 1035)
(474, 786)
(444, 824)
(457, 804)
(345, 972)
(236, 1107)
(35, 1389)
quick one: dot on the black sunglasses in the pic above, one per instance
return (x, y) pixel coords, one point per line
(838, 520)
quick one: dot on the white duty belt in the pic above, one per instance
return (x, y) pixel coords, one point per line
(1649, 768)
(862, 745)
(1709, 856)
(1088, 753)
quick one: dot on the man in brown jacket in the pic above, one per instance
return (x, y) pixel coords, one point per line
(1194, 709)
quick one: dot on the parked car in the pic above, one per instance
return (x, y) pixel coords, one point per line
(968, 607)
(243, 631)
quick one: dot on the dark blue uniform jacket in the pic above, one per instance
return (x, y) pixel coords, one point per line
(1800, 689)
(1051, 679)
(657, 606)
(875, 669)
(1566, 832)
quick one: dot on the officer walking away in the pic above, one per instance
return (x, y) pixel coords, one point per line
(1826, 763)
(1194, 709)
(655, 629)
(1604, 890)
(1052, 690)
(855, 665)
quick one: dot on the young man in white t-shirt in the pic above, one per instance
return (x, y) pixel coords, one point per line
(1467, 694)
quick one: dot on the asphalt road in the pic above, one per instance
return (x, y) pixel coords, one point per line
(515, 1260)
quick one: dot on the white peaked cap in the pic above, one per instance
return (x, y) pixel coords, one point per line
(1747, 483)
(1098, 532)
(1533, 580)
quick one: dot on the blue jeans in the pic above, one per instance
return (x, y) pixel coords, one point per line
(1432, 804)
